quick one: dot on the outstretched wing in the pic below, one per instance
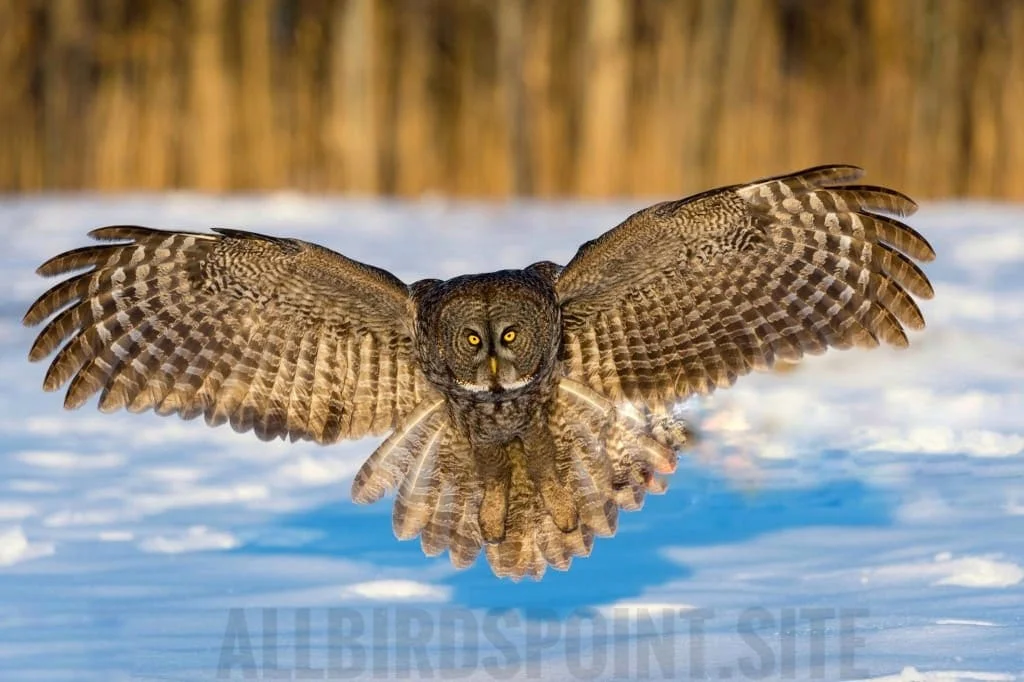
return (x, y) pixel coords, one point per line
(687, 295)
(275, 335)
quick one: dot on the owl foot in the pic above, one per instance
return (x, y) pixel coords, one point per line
(493, 509)
(561, 507)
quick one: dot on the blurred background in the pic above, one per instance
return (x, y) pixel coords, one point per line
(494, 98)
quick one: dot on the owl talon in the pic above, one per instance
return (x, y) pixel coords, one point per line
(493, 510)
(561, 508)
(567, 525)
(567, 520)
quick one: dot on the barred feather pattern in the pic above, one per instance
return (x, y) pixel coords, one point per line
(685, 296)
(276, 336)
(608, 456)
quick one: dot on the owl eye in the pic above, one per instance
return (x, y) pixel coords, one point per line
(509, 336)
(474, 340)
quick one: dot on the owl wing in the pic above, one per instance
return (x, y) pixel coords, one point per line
(276, 335)
(685, 296)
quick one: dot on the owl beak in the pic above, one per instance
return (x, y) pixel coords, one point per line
(494, 365)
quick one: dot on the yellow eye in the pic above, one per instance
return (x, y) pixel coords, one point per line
(509, 336)
(473, 339)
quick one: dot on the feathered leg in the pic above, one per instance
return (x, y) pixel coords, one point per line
(541, 455)
(494, 470)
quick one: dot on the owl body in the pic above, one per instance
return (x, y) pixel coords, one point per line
(489, 343)
(524, 408)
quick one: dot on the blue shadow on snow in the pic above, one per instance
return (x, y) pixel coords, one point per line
(700, 509)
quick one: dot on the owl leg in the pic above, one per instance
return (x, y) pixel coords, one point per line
(556, 496)
(493, 467)
(541, 455)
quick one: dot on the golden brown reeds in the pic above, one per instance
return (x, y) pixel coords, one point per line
(495, 98)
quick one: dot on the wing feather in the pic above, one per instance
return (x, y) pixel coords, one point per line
(685, 296)
(364, 399)
(346, 359)
(260, 409)
(273, 335)
(274, 420)
(301, 393)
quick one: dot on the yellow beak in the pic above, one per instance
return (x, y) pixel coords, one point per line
(494, 365)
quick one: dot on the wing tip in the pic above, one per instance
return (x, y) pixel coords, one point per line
(31, 318)
(850, 170)
(362, 492)
(60, 264)
(117, 232)
(37, 352)
(820, 176)
(75, 399)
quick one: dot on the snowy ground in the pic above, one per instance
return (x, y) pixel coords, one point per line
(859, 517)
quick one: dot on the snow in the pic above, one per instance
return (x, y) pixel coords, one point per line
(15, 547)
(967, 571)
(193, 539)
(16, 511)
(69, 460)
(855, 517)
(910, 674)
(397, 590)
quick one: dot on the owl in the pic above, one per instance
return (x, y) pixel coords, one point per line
(524, 409)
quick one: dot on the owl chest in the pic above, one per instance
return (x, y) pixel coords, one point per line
(494, 422)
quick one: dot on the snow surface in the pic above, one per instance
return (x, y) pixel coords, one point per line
(857, 517)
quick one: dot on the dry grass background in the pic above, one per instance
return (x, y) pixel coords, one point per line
(501, 97)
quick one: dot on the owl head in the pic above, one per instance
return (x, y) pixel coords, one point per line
(489, 334)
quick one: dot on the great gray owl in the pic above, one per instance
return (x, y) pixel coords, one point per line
(525, 407)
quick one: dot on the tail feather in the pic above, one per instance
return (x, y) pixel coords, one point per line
(605, 457)
(580, 541)
(632, 444)
(516, 557)
(586, 468)
(437, 533)
(466, 538)
(389, 463)
(419, 492)
(553, 547)
(517, 554)
(558, 548)
(463, 526)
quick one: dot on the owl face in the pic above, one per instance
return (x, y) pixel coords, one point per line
(495, 333)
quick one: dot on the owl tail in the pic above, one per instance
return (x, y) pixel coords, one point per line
(612, 454)
(604, 457)
(407, 459)
(533, 540)
(439, 492)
